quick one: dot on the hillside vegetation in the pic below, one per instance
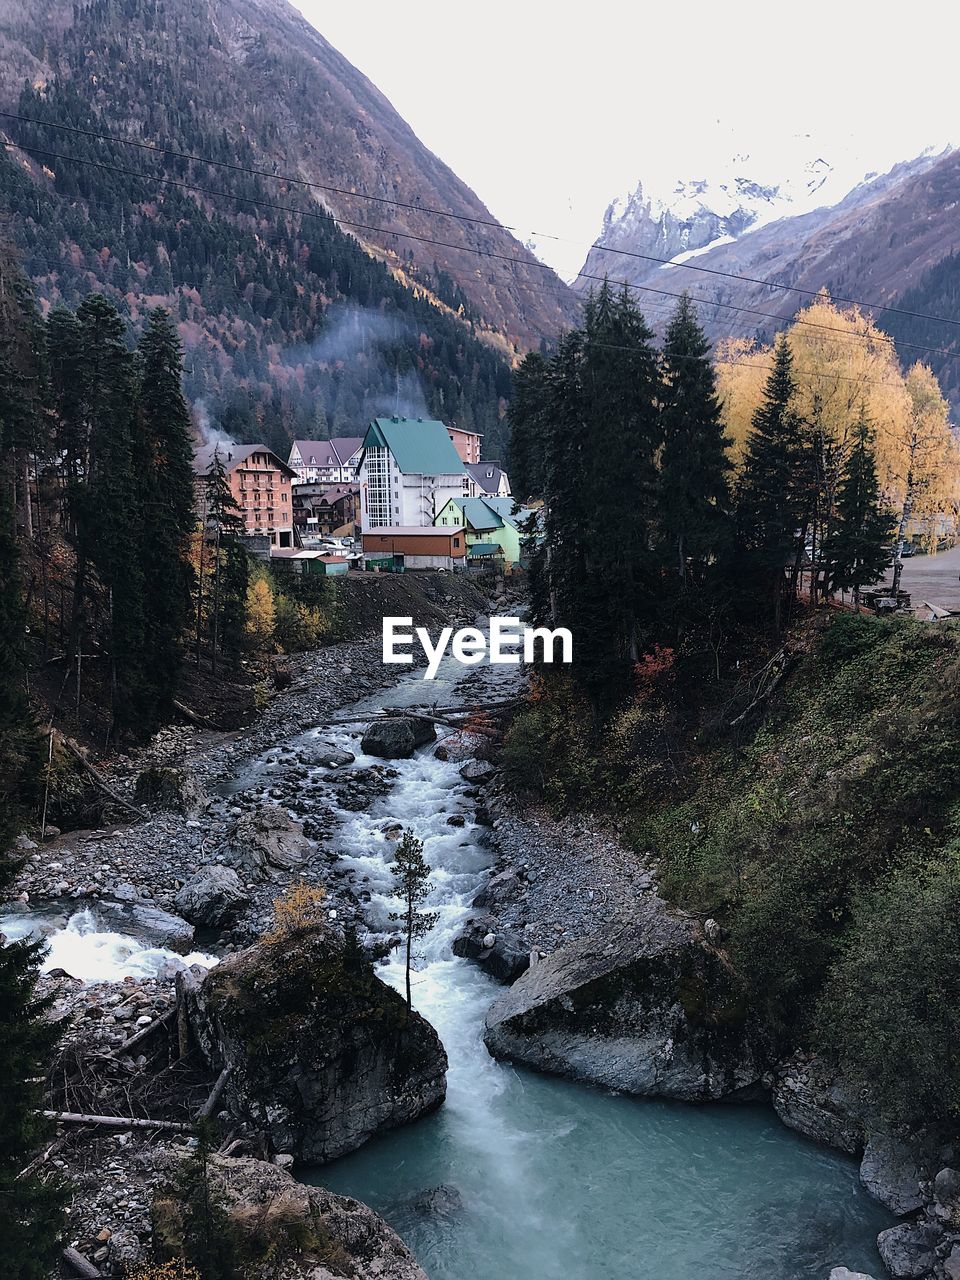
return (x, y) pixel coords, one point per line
(290, 326)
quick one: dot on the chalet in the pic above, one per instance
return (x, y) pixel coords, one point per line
(326, 461)
(492, 527)
(408, 471)
(490, 479)
(327, 509)
(466, 443)
(261, 484)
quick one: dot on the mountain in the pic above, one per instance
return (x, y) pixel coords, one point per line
(250, 84)
(892, 240)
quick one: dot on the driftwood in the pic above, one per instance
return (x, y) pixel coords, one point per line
(186, 983)
(81, 1265)
(117, 1122)
(127, 1045)
(771, 677)
(193, 717)
(208, 1108)
(98, 781)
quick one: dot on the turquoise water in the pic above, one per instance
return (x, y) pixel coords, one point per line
(559, 1181)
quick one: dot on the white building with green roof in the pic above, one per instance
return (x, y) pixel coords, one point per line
(409, 470)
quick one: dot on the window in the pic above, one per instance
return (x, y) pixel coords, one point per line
(378, 487)
(445, 520)
(456, 542)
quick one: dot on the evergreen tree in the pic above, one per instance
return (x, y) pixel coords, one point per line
(858, 552)
(694, 497)
(109, 504)
(221, 596)
(168, 507)
(527, 426)
(411, 876)
(770, 508)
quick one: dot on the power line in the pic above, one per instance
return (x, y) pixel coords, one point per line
(155, 149)
(482, 253)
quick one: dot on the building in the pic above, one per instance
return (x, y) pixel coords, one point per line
(490, 479)
(408, 471)
(319, 563)
(466, 443)
(326, 461)
(415, 547)
(324, 509)
(261, 484)
(487, 523)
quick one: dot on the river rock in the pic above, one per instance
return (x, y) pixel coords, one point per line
(323, 753)
(439, 1202)
(477, 771)
(843, 1273)
(499, 889)
(323, 1054)
(397, 737)
(212, 897)
(166, 788)
(946, 1193)
(908, 1250)
(891, 1171)
(505, 958)
(307, 1232)
(459, 747)
(649, 1010)
(265, 837)
(808, 1097)
(147, 924)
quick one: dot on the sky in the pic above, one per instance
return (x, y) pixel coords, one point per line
(550, 111)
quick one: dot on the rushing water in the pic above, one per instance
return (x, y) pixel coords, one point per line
(82, 947)
(559, 1181)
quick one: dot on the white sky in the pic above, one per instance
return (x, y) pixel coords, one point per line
(550, 110)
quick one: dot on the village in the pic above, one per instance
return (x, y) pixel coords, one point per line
(412, 493)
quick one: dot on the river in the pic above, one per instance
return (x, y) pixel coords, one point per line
(558, 1181)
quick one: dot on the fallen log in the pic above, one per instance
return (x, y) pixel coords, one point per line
(117, 1122)
(208, 1108)
(99, 782)
(81, 1265)
(194, 717)
(134, 1040)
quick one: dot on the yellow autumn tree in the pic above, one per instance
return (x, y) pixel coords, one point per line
(742, 369)
(261, 615)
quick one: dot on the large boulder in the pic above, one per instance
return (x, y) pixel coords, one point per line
(397, 737)
(266, 837)
(809, 1097)
(650, 1010)
(909, 1250)
(166, 788)
(892, 1171)
(307, 1233)
(843, 1273)
(499, 951)
(212, 897)
(146, 923)
(323, 1055)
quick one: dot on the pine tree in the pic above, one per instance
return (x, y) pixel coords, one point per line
(527, 426)
(30, 1208)
(109, 504)
(769, 505)
(858, 552)
(411, 875)
(694, 497)
(220, 551)
(168, 507)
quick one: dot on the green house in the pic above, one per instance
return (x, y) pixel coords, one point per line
(486, 521)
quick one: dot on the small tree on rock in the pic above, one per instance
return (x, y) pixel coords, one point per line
(411, 875)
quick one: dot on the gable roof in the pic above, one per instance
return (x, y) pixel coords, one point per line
(328, 453)
(486, 474)
(504, 509)
(232, 455)
(420, 446)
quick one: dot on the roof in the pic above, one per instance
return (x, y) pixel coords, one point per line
(420, 446)
(328, 453)
(413, 531)
(485, 549)
(486, 474)
(231, 455)
(504, 507)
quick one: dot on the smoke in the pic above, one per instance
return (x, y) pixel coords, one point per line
(360, 346)
(209, 434)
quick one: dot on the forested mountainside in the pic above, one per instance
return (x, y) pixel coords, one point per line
(892, 241)
(290, 326)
